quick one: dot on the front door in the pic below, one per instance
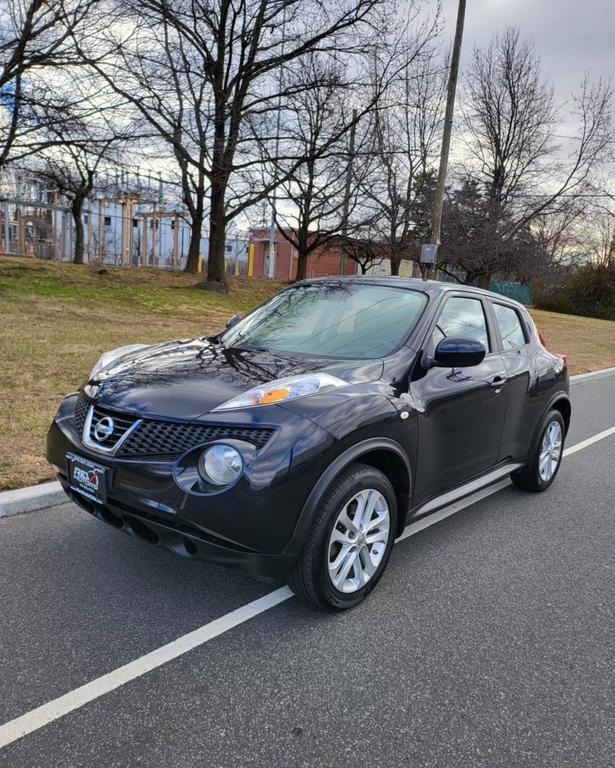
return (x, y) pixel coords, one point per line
(461, 411)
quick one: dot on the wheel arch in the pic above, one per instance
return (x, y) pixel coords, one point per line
(562, 404)
(391, 464)
(559, 402)
(383, 454)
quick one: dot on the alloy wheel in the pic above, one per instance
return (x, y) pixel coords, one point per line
(358, 541)
(550, 451)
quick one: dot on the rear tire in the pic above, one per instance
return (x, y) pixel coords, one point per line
(350, 542)
(543, 466)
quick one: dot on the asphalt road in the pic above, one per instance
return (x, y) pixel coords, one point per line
(489, 642)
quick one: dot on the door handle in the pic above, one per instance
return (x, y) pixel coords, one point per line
(497, 383)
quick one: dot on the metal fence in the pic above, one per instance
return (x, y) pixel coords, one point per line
(114, 233)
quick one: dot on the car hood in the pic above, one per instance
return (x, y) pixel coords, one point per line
(187, 379)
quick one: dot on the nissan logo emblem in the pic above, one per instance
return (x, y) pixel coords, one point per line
(103, 428)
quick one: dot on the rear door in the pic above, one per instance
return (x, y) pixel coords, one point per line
(461, 410)
(516, 353)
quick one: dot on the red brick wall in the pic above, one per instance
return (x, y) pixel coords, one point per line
(322, 262)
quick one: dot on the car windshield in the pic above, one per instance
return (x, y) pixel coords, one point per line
(331, 319)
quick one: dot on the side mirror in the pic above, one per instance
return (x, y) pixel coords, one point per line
(458, 353)
(233, 320)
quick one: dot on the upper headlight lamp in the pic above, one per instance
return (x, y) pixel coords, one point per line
(281, 390)
(108, 357)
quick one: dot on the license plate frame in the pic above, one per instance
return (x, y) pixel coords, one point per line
(88, 478)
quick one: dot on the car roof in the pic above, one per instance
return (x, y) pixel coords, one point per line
(431, 287)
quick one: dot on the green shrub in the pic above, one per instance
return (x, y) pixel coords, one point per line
(588, 290)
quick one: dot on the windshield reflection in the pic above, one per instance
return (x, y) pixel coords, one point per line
(331, 319)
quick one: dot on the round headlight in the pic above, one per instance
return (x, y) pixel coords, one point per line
(220, 465)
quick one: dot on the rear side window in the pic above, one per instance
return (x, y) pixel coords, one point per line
(511, 329)
(463, 318)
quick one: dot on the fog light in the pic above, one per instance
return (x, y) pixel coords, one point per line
(220, 465)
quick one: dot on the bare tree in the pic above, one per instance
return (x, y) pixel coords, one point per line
(405, 145)
(601, 218)
(322, 125)
(365, 248)
(67, 144)
(202, 74)
(332, 126)
(35, 37)
(597, 233)
(72, 170)
(558, 238)
(510, 127)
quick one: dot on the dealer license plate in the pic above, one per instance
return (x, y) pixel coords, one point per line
(87, 478)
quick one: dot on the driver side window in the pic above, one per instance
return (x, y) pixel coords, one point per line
(464, 318)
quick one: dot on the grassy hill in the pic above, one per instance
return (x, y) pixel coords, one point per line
(56, 319)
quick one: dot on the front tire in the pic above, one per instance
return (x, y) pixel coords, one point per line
(350, 542)
(543, 466)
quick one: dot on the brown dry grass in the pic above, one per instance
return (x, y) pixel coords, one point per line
(56, 319)
(588, 342)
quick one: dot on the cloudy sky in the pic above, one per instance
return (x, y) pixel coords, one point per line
(571, 36)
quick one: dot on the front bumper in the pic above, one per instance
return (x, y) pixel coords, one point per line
(248, 527)
(185, 541)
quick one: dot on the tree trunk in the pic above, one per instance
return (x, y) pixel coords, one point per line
(216, 271)
(194, 248)
(76, 210)
(302, 254)
(302, 258)
(395, 266)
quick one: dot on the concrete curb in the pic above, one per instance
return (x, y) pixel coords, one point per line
(603, 373)
(32, 498)
(35, 497)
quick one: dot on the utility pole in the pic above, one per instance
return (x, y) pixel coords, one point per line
(346, 204)
(436, 214)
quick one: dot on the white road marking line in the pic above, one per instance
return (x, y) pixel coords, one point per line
(79, 697)
(590, 441)
(47, 713)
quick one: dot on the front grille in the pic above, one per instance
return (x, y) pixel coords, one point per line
(160, 438)
(151, 438)
(81, 410)
(121, 424)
